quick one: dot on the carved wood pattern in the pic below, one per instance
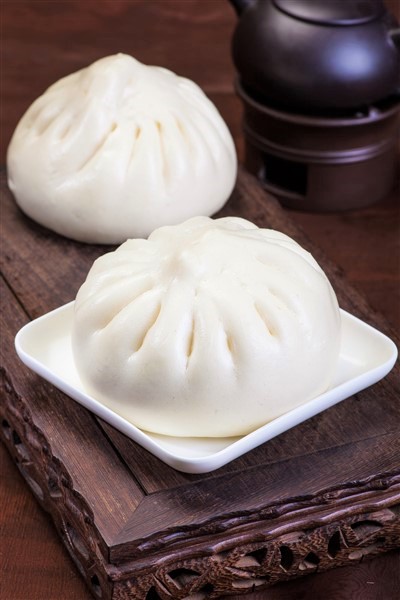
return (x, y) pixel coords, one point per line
(258, 565)
(52, 486)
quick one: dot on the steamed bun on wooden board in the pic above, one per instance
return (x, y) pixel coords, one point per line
(118, 149)
(208, 328)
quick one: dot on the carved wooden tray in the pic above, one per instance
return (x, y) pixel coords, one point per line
(320, 495)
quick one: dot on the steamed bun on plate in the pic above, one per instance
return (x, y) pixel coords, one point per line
(118, 149)
(208, 328)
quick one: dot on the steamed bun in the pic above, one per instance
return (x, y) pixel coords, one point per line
(118, 149)
(208, 328)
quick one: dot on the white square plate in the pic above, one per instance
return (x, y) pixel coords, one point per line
(44, 345)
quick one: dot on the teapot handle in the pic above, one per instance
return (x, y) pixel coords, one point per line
(394, 35)
(241, 5)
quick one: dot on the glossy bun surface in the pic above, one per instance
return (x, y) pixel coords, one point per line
(209, 328)
(118, 149)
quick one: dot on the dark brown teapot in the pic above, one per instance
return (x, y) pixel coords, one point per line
(317, 55)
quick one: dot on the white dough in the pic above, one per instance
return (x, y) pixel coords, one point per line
(118, 149)
(208, 328)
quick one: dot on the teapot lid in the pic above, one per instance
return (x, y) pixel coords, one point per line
(332, 12)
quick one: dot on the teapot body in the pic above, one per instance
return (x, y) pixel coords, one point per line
(317, 55)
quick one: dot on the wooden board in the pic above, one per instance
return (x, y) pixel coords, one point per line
(324, 494)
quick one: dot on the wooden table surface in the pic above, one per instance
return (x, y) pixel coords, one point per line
(45, 40)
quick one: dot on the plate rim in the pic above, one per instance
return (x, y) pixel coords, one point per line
(240, 444)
